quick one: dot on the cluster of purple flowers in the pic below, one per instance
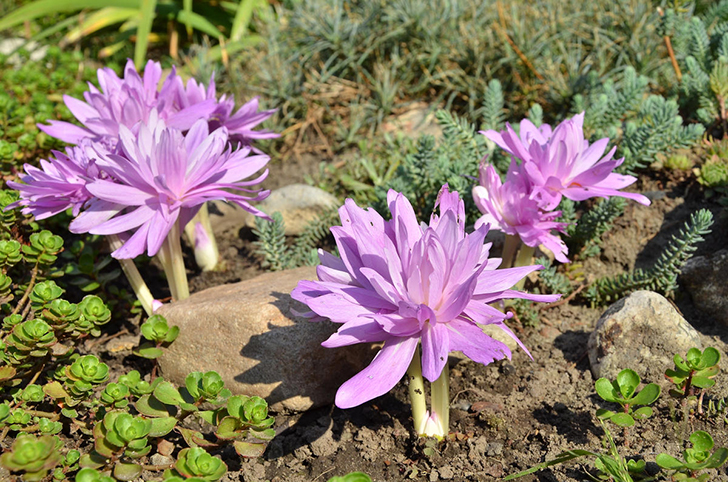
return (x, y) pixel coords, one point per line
(553, 164)
(147, 158)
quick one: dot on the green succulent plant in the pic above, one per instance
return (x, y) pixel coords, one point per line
(136, 385)
(115, 395)
(32, 337)
(623, 391)
(43, 247)
(196, 462)
(10, 253)
(697, 369)
(695, 459)
(33, 456)
(44, 293)
(159, 334)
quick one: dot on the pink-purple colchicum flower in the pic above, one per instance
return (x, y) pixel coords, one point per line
(59, 184)
(161, 176)
(129, 101)
(508, 207)
(562, 163)
(403, 283)
(554, 163)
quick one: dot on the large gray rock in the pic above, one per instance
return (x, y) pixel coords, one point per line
(643, 332)
(246, 332)
(298, 204)
(706, 279)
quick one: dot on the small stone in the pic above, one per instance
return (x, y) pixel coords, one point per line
(495, 448)
(643, 332)
(246, 332)
(501, 336)
(706, 279)
(159, 459)
(298, 204)
(418, 120)
(434, 476)
(446, 472)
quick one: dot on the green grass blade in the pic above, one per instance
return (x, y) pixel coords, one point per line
(99, 20)
(146, 17)
(242, 19)
(187, 8)
(560, 459)
(215, 53)
(40, 8)
(198, 22)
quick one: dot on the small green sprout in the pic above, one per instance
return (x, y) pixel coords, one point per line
(136, 385)
(43, 248)
(624, 392)
(84, 373)
(695, 459)
(159, 334)
(33, 456)
(696, 370)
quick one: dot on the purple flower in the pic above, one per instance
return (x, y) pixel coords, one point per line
(129, 102)
(125, 102)
(160, 176)
(508, 207)
(59, 184)
(239, 125)
(403, 283)
(563, 163)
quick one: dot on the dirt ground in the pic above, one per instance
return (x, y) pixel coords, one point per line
(510, 415)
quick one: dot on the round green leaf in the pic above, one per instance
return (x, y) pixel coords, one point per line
(647, 395)
(165, 392)
(693, 358)
(149, 351)
(605, 390)
(718, 458)
(642, 413)
(701, 440)
(162, 426)
(710, 357)
(151, 407)
(628, 381)
(622, 419)
(127, 471)
(668, 462)
(604, 413)
(702, 382)
(249, 449)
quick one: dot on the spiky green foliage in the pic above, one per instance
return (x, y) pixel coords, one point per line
(662, 276)
(657, 129)
(454, 160)
(278, 255)
(702, 49)
(586, 235)
(271, 242)
(551, 278)
(610, 103)
(363, 59)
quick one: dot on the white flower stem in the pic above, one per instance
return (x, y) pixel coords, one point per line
(417, 391)
(170, 254)
(206, 252)
(141, 290)
(509, 250)
(440, 394)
